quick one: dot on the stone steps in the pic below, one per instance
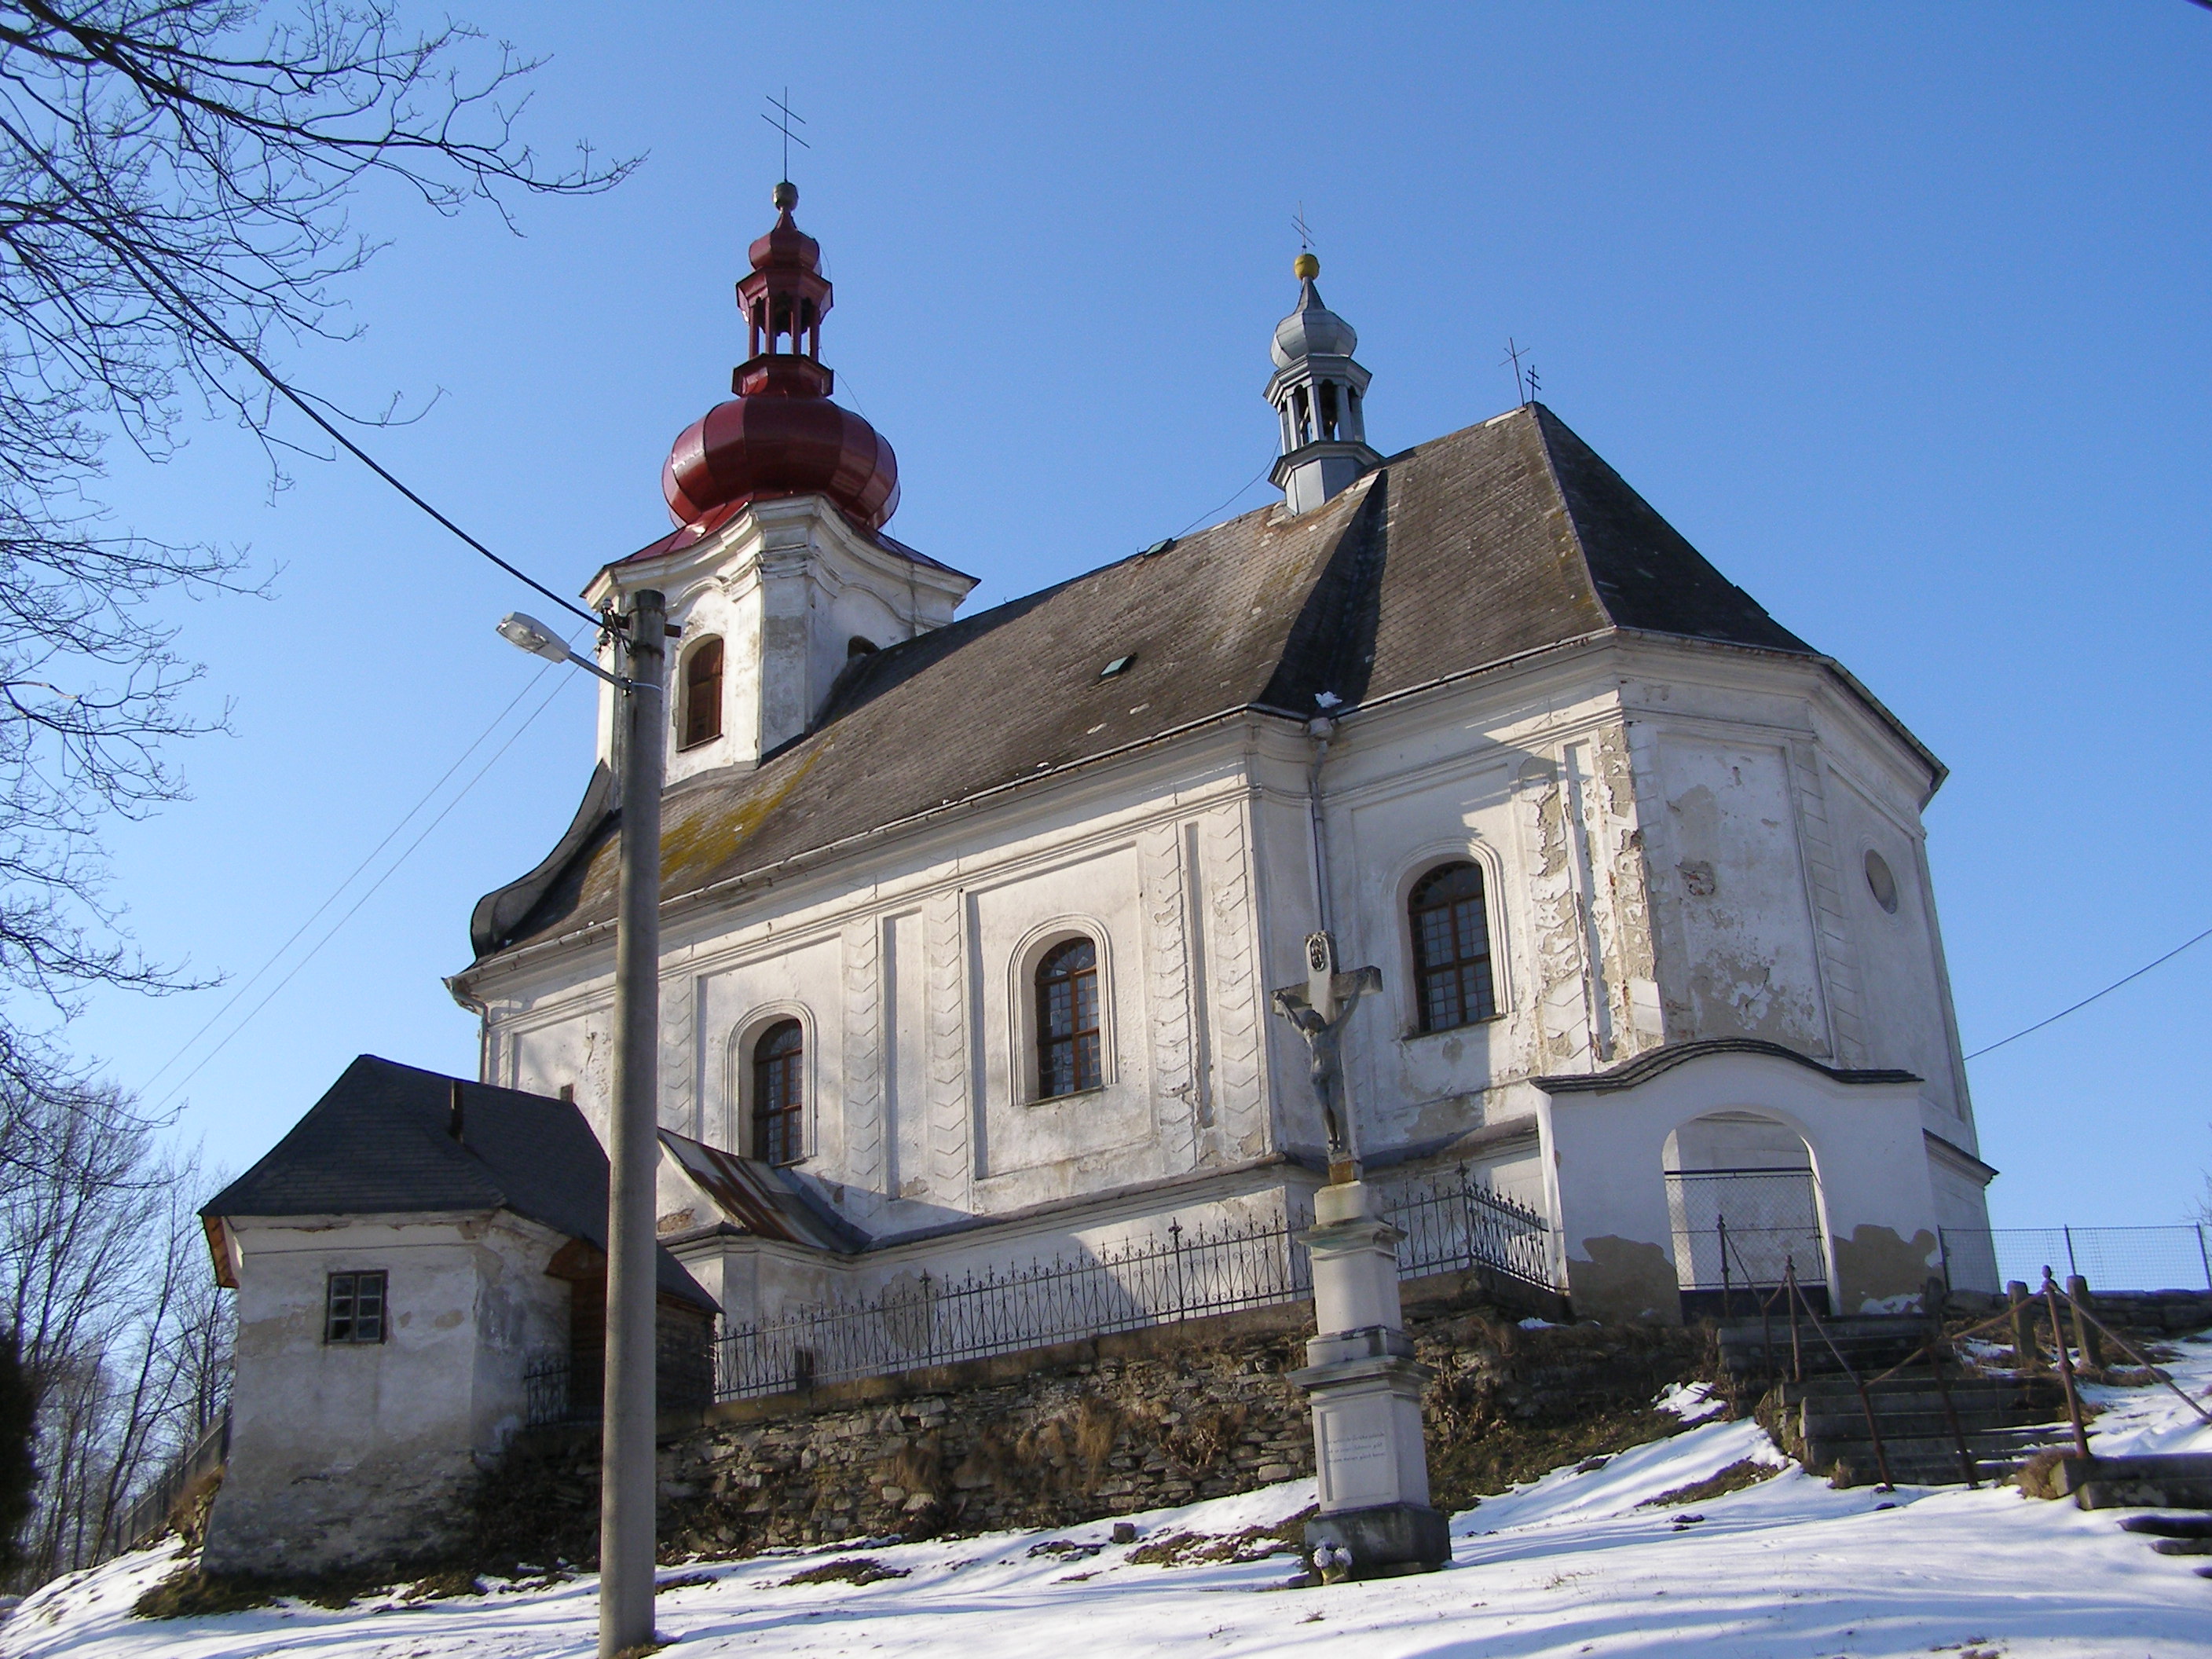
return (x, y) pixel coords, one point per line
(1869, 1345)
(2176, 1481)
(2175, 1535)
(2003, 1421)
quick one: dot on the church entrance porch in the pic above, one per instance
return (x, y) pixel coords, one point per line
(1794, 1165)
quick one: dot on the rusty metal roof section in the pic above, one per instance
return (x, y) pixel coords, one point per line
(759, 1199)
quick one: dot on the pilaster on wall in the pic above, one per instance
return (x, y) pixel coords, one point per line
(1824, 877)
(1168, 979)
(681, 1106)
(863, 1091)
(1558, 934)
(786, 635)
(1596, 956)
(951, 1166)
(1236, 997)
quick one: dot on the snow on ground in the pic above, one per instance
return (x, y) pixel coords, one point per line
(1574, 1564)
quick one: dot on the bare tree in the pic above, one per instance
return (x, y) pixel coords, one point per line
(124, 1337)
(175, 178)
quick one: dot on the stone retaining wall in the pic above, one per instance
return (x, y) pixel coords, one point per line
(1053, 1436)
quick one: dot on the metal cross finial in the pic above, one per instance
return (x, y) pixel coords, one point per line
(1305, 233)
(1523, 389)
(783, 126)
(1534, 388)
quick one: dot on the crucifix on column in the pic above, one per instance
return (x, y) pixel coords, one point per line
(1318, 1011)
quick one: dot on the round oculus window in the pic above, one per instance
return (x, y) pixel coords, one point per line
(1880, 882)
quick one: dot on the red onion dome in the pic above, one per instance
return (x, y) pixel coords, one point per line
(780, 436)
(751, 448)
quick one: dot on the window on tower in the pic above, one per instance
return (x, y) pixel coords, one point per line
(1451, 947)
(779, 1093)
(1070, 1051)
(702, 694)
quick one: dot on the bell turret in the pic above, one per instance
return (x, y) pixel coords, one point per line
(1319, 394)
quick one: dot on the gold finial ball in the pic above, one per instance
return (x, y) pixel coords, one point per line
(784, 197)
(1305, 267)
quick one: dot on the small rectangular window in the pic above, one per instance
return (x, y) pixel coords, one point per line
(353, 1309)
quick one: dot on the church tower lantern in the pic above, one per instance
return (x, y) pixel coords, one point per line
(779, 575)
(781, 434)
(1318, 394)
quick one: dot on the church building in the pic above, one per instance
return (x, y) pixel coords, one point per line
(970, 924)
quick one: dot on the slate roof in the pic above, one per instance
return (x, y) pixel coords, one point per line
(377, 1144)
(1495, 541)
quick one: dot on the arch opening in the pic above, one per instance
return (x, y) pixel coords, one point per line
(1743, 1201)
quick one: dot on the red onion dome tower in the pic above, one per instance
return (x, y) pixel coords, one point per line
(780, 436)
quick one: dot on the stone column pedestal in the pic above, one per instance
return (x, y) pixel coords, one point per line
(1366, 1386)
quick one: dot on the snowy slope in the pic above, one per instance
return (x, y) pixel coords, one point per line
(1786, 1569)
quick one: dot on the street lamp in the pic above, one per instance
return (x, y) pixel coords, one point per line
(626, 1453)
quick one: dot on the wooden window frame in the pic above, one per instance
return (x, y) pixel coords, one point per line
(702, 701)
(778, 1130)
(342, 1318)
(1084, 1044)
(1467, 977)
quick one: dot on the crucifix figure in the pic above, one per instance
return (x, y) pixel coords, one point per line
(1318, 1011)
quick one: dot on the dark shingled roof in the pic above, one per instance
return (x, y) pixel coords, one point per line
(377, 1144)
(1496, 541)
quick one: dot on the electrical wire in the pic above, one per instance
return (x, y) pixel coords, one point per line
(1225, 507)
(2087, 1001)
(390, 870)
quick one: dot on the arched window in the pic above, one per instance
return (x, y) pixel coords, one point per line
(1068, 1051)
(1451, 947)
(702, 694)
(780, 1093)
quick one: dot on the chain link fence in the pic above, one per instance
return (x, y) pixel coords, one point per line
(2176, 1258)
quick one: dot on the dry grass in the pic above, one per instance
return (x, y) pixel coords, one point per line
(1190, 1549)
(1735, 1478)
(853, 1569)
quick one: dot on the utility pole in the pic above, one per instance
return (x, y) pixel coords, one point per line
(626, 1455)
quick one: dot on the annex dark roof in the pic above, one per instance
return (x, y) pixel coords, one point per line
(1497, 540)
(1653, 1061)
(377, 1142)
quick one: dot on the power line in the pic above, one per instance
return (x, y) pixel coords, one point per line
(1203, 517)
(354, 874)
(174, 299)
(2107, 991)
(389, 871)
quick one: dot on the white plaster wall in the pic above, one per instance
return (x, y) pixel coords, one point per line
(1606, 1153)
(347, 1453)
(1746, 962)
(909, 970)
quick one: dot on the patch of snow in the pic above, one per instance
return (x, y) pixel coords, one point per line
(1693, 1403)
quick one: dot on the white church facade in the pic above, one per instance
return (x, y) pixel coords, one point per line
(970, 925)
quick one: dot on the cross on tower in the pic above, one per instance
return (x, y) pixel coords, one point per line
(1523, 389)
(783, 126)
(1298, 224)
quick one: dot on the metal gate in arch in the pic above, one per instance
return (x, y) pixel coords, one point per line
(1739, 1230)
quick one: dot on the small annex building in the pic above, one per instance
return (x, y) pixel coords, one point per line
(415, 1259)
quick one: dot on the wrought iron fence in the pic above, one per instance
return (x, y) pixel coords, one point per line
(2176, 1258)
(1186, 1273)
(1744, 1227)
(1454, 1224)
(545, 1392)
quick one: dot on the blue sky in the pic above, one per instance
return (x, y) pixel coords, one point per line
(1896, 311)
